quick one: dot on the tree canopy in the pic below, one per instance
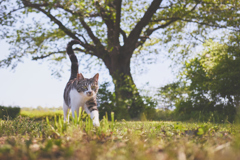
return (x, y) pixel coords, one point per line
(103, 25)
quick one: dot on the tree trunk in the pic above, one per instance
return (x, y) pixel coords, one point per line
(129, 102)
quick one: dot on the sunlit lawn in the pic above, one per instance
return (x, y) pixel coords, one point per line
(23, 138)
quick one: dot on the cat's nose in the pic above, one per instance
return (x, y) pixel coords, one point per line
(89, 93)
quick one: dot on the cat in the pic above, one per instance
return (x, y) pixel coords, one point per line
(80, 91)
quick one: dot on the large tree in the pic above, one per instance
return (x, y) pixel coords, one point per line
(111, 30)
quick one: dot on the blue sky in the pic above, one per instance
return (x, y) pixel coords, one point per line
(31, 83)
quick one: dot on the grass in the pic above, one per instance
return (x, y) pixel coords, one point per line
(25, 138)
(39, 115)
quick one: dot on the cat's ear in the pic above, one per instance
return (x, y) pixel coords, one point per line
(95, 78)
(80, 76)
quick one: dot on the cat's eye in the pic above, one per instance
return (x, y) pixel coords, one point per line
(85, 87)
(93, 87)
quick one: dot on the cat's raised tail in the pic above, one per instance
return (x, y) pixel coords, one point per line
(73, 58)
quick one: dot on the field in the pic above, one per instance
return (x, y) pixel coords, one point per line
(26, 138)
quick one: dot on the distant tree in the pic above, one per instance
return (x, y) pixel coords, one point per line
(112, 31)
(210, 82)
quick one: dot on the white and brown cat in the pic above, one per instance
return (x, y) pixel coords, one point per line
(80, 91)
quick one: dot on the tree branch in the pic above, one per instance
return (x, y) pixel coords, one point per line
(204, 23)
(170, 21)
(135, 33)
(58, 52)
(14, 10)
(124, 35)
(107, 18)
(118, 4)
(95, 40)
(82, 37)
(94, 51)
(52, 18)
(150, 31)
(45, 56)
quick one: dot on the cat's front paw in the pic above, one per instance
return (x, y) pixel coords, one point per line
(96, 124)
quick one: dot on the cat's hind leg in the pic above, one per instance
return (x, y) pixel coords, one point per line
(75, 109)
(65, 111)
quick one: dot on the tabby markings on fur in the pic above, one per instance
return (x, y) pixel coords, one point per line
(80, 91)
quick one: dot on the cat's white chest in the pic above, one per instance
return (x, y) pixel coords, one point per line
(77, 99)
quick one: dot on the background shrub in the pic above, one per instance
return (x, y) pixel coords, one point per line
(11, 112)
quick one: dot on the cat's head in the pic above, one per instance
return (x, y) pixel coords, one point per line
(88, 86)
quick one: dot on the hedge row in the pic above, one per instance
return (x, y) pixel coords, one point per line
(11, 112)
